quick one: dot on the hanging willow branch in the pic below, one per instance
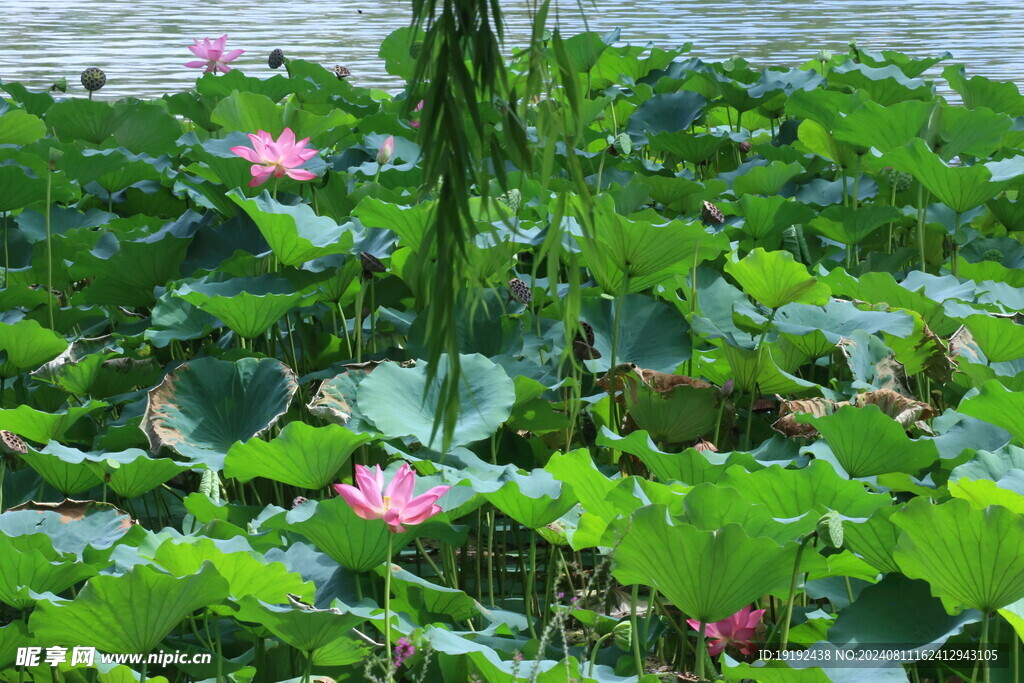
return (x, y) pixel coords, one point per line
(462, 80)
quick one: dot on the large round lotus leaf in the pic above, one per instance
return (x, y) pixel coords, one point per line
(533, 500)
(301, 455)
(248, 305)
(764, 218)
(132, 612)
(850, 226)
(20, 189)
(18, 127)
(791, 493)
(689, 467)
(972, 558)
(246, 573)
(652, 334)
(35, 425)
(307, 630)
(31, 563)
(360, 547)
(206, 405)
(997, 405)
(62, 470)
(775, 279)
(423, 599)
(27, 345)
(13, 636)
(401, 402)
(72, 525)
(888, 449)
(1000, 339)
(873, 539)
(665, 113)
(710, 507)
(295, 233)
(709, 575)
(677, 416)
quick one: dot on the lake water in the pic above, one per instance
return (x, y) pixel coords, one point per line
(142, 44)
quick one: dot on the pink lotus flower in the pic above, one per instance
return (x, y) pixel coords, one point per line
(386, 150)
(212, 56)
(396, 507)
(276, 158)
(735, 631)
(419, 107)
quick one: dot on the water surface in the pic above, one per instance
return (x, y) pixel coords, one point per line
(142, 44)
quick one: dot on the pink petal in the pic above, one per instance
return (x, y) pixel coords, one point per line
(234, 54)
(223, 67)
(400, 489)
(422, 507)
(369, 483)
(286, 139)
(755, 618)
(748, 648)
(354, 497)
(694, 624)
(300, 174)
(715, 647)
(247, 153)
(260, 175)
(198, 50)
(195, 64)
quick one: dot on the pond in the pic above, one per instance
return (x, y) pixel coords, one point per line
(141, 44)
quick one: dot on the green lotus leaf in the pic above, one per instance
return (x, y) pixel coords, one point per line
(873, 538)
(992, 466)
(651, 334)
(248, 305)
(898, 610)
(69, 475)
(978, 132)
(13, 636)
(301, 455)
(882, 288)
(248, 112)
(693, 148)
(26, 345)
(774, 671)
(247, 573)
(307, 630)
(132, 612)
(1008, 492)
(886, 85)
(766, 180)
(112, 169)
(709, 575)
(534, 500)
(750, 368)
(851, 226)
(978, 91)
(665, 112)
(817, 139)
(35, 425)
(676, 416)
(31, 563)
(408, 222)
(764, 218)
(1001, 339)
(206, 405)
(884, 128)
(689, 467)
(18, 127)
(827, 107)
(835, 321)
(426, 601)
(973, 559)
(364, 544)
(791, 493)
(147, 128)
(295, 233)
(775, 279)
(710, 507)
(997, 405)
(401, 402)
(889, 449)
(86, 120)
(959, 188)
(20, 188)
(129, 473)
(73, 526)
(678, 195)
(176, 319)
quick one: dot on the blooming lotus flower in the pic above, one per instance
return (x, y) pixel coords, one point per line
(419, 107)
(212, 56)
(276, 158)
(396, 506)
(386, 150)
(735, 631)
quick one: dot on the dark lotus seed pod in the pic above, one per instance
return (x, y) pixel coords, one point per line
(705, 445)
(518, 290)
(744, 146)
(371, 264)
(299, 500)
(93, 79)
(589, 331)
(12, 442)
(993, 255)
(710, 214)
(583, 350)
(276, 58)
(342, 72)
(416, 49)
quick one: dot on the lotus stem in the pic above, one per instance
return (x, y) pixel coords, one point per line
(638, 657)
(49, 243)
(387, 608)
(922, 215)
(784, 639)
(757, 372)
(699, 652)
(593, 651)
(531, 578)
(954, 250)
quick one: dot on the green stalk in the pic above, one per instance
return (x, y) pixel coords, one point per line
(531, 579)
(359, 322)
(387, 608)
(784, 639)
(49, 245)
(922, 213)
(593, 652)
(309, 667)
(953, 266)
(757, 372)
(699, 654)
(638, 657)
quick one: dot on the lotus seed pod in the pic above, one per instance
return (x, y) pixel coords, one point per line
(899, 180)
(512, 199)
(12, 443)
(993, 255)
(518, 290)
(416, 49)
(299, 500)
(744, 146)
(704, 445)
(93, 79)
(276, 58)
(710, 214)
(342, 72)
(622, 634)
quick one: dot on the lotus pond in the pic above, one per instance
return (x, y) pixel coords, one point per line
(740, 377)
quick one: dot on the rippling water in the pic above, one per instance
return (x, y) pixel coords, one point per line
(141, 44)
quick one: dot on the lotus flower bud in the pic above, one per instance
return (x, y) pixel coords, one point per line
(386, 150)
(622, 634)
